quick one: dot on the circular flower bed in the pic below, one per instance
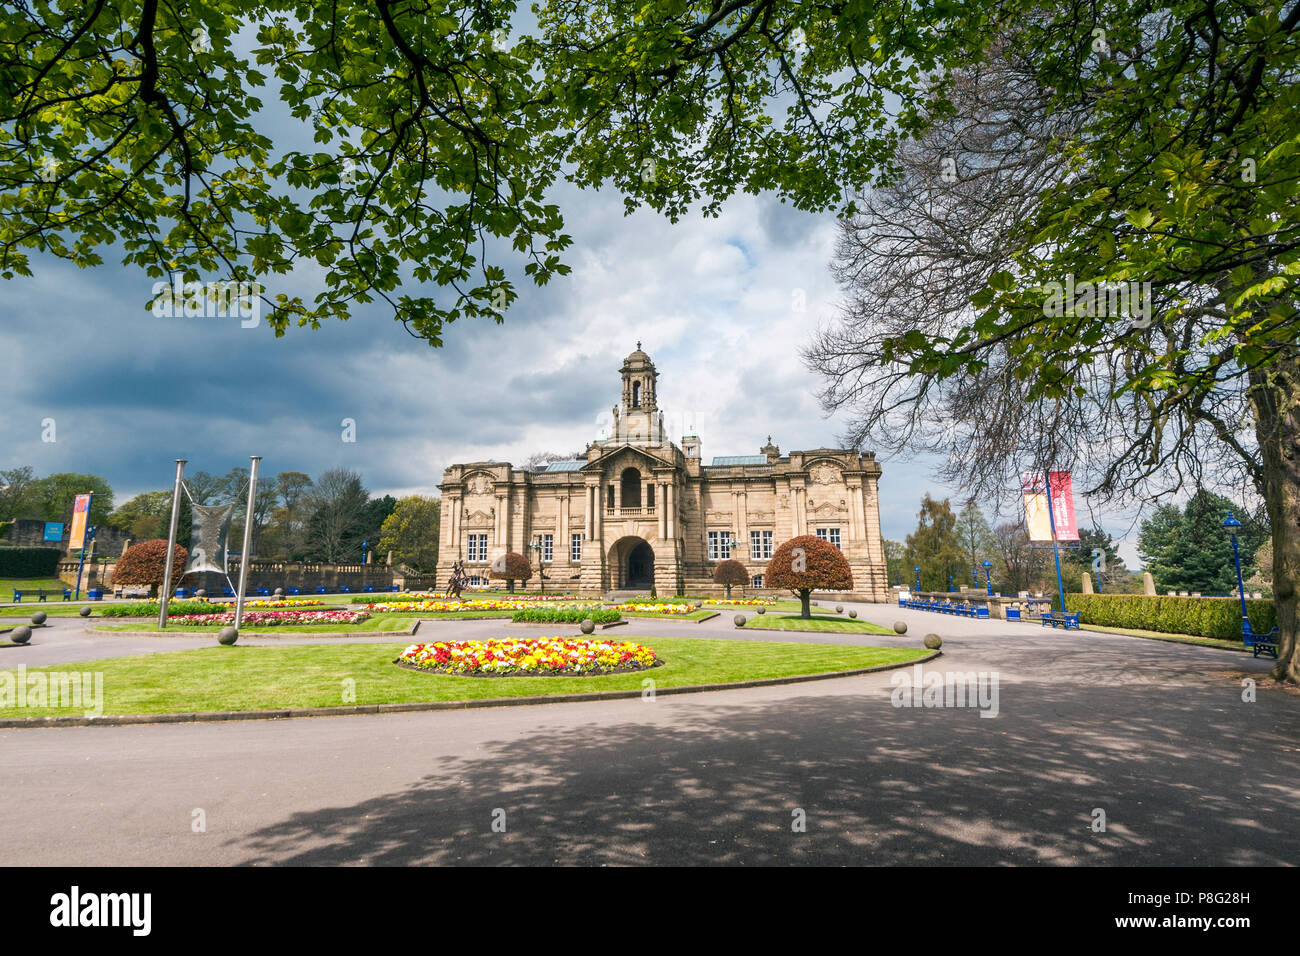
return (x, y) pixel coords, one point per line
(272, 618)
(534, 657)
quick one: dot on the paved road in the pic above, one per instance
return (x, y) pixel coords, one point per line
(1155, 734)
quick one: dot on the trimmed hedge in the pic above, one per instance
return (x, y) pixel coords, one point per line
(29, 562)
(150, 608)
(567, 615)
(1201, 617)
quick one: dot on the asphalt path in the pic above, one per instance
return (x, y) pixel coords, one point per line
(1154, 734)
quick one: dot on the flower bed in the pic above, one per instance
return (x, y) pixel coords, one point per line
(657, 608)
(275, 618)
(403, 597)
(442, 607)
(538, 657)
(741, 602)
(284, 602)
(567, 615)
(150, 608)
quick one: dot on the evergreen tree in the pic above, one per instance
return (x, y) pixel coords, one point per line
(935, 545)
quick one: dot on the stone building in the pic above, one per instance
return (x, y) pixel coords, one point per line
(639, 511)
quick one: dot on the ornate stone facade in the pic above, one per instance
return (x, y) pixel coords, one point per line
(640, 511)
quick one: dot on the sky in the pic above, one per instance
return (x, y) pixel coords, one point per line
(712, 300)
(722, 305)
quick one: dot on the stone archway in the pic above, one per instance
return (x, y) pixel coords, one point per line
(635, 561)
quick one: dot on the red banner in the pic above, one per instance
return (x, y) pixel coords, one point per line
(1062, 491)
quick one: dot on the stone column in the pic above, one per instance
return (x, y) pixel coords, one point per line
(742, 527)
(671, 504)
(496, 522)
(505, 522)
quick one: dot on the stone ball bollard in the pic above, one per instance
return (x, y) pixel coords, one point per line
(853, 613)
(227, 635)
(900, 627)
(762, 610)
(38, 619)
(839, 609)
(588, 626)
(85, 611)
(21, 634)
(200, 593)
(279, 593)
(933, 641)
(740, 620)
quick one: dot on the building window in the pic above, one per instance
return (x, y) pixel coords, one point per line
(758, 581)
(631, 488)
(609, 496)
(719, 545)
(649, 496)
(477, 547)
(830, 534)
(760, 545)
(575, 547)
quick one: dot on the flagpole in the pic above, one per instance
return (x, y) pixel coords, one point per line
(171, 544)
(1056, 551)
(254, 460)
(85, 530)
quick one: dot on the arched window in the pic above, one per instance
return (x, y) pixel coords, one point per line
(631, 488)
(636, 394)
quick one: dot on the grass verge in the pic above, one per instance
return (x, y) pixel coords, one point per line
(268, 678)
(795, 622)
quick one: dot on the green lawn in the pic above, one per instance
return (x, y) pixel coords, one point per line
(779, 607)
(51, 608)
(836, 623)
(692, 616)
(262, 678)
(376, 622)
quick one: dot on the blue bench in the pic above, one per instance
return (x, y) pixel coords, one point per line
(295, 590)
(95, 595)
(1266, 644)
(40, 595)
(1067, 620)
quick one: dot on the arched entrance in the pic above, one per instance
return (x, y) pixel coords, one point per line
(635, 560)
(641, 567)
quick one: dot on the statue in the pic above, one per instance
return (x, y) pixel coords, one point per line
(458, 580)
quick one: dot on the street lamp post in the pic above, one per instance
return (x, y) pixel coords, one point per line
(917, 569)
(1231, 525)
(988, 577)
(950, 587)
(536, 545)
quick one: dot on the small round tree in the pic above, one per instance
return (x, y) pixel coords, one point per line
(143, 563)
(806, 564)
(731, 573)
(511, 567)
